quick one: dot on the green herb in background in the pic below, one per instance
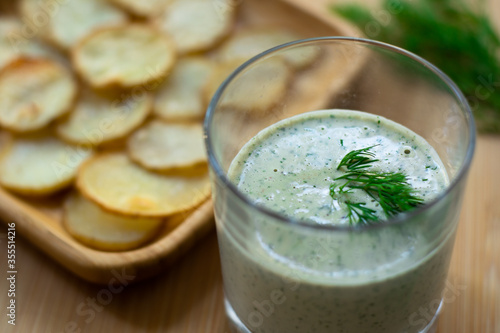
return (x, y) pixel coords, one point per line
(450, 35)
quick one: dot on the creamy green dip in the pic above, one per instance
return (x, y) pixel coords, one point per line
(284, 278)
(290, 166)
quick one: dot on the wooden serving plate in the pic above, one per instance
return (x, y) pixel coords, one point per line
(40, 221)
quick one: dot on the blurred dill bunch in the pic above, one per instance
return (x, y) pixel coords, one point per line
(449, 34)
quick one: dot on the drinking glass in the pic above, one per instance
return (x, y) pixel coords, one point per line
(332, 286)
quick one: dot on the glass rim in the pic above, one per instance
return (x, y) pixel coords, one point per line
(394, 220)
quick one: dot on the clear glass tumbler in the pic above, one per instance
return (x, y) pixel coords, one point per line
(302, 293)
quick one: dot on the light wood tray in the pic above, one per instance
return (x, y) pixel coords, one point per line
(40, 221)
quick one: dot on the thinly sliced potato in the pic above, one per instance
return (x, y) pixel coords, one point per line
(97, 120)
(10, 28)
(14, 44)
(197, 25)
(180, 96)
(66, 22)
(40, 165)
(106, 231)
(255, 90)
(144, 7)
(124, 56)
(116, 184)
(33, 92)
(248, 43)
(35, 14)
(168, 147)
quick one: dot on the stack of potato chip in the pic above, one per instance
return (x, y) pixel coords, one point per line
(103, 101)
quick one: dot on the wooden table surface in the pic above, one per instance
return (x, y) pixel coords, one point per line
(188, 296)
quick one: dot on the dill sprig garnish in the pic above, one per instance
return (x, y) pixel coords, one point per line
(390, 189)
(358, 213)
(457, 39)
(358, 159)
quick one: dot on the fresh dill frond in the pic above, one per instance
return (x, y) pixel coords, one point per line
(358, 213)
(358, 159)
(391, 190)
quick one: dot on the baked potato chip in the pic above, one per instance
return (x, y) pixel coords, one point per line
(97, 120)
(36, 16)
(102, 230)
(40, 165)
(117, 184)
(14, 45)
(197, 25)
(124, 56)
(33, 92)
(66, 22)
(180, 96)
(144, 7)
(168, 147)
(248, 43)
(248, 93)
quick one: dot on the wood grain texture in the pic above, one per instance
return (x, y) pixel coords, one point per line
(474, 278)
(188, 298)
